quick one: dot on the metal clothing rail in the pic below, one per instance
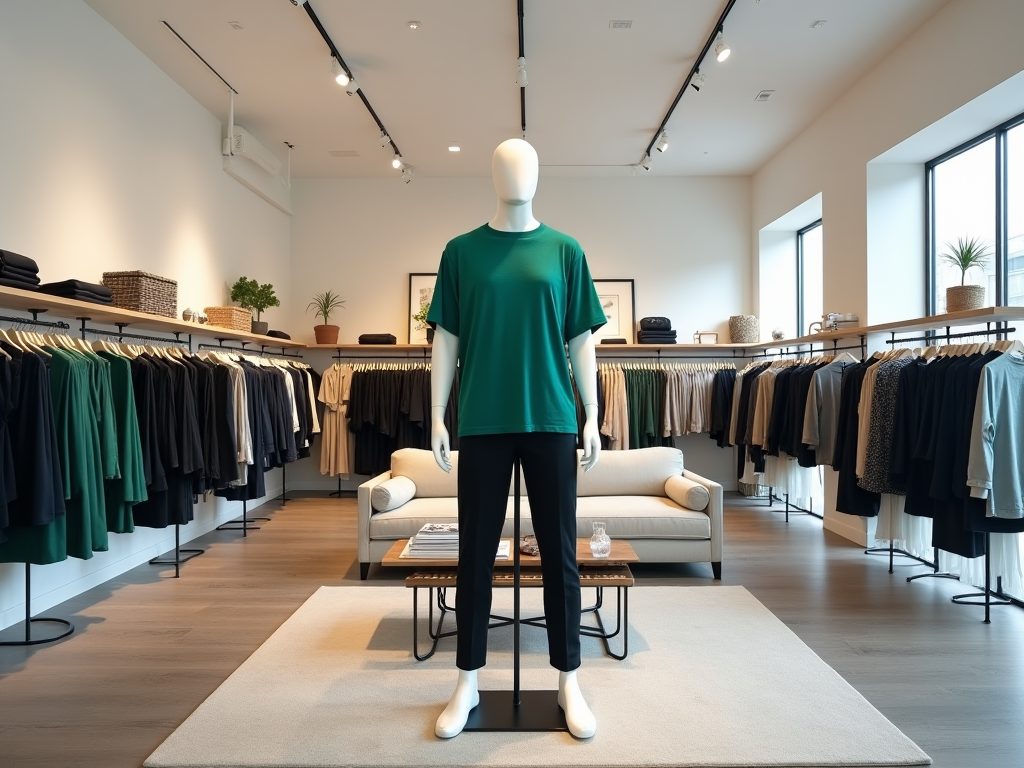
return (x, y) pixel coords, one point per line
(35, 320)
(989, 331)
(243, 349)
(121, 334)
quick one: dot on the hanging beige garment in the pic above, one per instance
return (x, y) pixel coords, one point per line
(336, 447)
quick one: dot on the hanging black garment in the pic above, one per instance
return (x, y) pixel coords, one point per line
(304, 434)
(722, 389)
(805, 455)
(8, 484)
(202, 373)
(777, 418)
(905, 429)
(851, 499)
(259, 431)
(225, 426)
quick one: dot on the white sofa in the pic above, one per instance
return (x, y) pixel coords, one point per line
(644, 496)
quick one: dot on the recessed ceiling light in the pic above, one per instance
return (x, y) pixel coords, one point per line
(235, 25)
(620, 24)
(343, 153)
(818, 23)
(454, 148)
(414, 25)
(764, 96)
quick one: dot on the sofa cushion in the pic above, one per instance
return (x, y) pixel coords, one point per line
(627, 517)
(687, 493)
(640, 517)
(392, 493)
(431, 481)
(640, 472)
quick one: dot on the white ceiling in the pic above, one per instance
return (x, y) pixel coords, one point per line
(596, 94)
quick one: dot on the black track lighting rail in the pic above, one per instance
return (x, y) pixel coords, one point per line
(334, 52)
(693, 70)
(209, 66)
(522, 54)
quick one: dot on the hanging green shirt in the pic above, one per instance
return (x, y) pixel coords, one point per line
(514, 299)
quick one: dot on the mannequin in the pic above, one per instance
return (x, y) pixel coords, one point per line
(544, 439)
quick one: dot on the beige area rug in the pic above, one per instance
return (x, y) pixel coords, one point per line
(712, 679)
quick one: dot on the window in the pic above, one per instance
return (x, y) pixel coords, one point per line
(977, 191)
(810, 276)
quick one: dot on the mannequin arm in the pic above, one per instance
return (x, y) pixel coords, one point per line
(444, 358)
(584, 370)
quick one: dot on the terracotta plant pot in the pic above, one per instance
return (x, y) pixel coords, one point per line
(963, 297)
(260, 327)
(326, 334)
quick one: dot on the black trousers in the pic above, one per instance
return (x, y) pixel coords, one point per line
(485, 471)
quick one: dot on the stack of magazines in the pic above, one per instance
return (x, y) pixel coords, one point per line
(439, 541)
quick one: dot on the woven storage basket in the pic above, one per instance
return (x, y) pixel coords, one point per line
(235, 318)
(961, 297)
(743, 329)
(143, 292)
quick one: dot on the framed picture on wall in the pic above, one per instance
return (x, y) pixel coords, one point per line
(618, 299)
(421, 291)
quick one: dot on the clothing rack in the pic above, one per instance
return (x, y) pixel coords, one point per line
(243, 349)
(1000, 332)
(789, 506)
(242, 525)
(29, 620)
(178, 560)
(35, 320)
(121, 335)
(783, 351)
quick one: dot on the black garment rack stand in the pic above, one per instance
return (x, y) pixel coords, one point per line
(178, 560)
(243, 525)
(517, 710)
(29, 620)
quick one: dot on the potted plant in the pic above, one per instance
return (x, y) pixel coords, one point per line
(249, 294)
(324, 304)
(421, 321)
(967, 254)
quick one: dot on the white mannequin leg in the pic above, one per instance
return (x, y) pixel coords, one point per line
(581, 721)
(451, 722)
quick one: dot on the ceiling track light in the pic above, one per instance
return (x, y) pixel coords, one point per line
(521, 79)
(722, 49)
(341, 77)
(406, 174)
(352, 88)
(384, 140)
(694, 79)
(397, 163)
(662, 144)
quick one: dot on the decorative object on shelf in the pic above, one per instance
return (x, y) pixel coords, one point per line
(279, 335)
(235, 318)
(421, 293)
(143, 292)
(202, 318)
(744, 329)
(967, 254)
(600, 543)
(325, 303)
(705, 337)
(189, 315)
(618, 299)
(257, 298)
(378, 338)
(528, 546)
(778, 334)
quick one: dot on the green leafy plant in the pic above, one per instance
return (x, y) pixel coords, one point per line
(325, 303)
(421, 316)
(249, 294)
(966, 255)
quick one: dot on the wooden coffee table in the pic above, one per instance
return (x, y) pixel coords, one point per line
(611, 571)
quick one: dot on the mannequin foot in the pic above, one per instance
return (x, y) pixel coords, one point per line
(451, 722)
(581, 721)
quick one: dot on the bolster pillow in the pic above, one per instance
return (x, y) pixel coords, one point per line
(392, 493)
(687, 493)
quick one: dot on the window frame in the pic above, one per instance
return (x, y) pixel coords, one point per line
(999, 133)
(801, 321)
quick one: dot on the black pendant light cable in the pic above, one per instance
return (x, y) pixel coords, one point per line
(693, 71)
(334, 52)
(522, 88)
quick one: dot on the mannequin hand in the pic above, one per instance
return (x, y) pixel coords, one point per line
(439, 444)
(591, 444)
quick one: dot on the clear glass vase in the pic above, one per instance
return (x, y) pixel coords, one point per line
(600, 544)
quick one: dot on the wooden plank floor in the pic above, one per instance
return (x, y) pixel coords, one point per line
(148, 649)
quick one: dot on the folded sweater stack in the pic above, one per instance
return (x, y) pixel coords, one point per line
(78, 289)
(17, 271)
(656, 330)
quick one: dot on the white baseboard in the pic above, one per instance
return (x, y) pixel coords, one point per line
(849, 527)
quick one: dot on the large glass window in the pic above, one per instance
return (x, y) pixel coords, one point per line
(976, 191)
(810, 275)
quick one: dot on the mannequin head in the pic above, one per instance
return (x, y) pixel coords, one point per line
(515, 168)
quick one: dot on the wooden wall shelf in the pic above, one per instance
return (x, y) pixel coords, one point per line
(71, 309)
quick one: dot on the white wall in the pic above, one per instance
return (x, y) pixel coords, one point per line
(685, 241)
(966, 49)
(108, 164)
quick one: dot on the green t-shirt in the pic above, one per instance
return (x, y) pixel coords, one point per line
(514, 299)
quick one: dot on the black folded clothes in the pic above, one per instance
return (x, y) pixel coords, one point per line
(278, 335)
(657, 334)
(377, 338)
(14, 273)
(16, 260)
(613, 340)
(79, 290)
(655, 324)
(24, 285)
